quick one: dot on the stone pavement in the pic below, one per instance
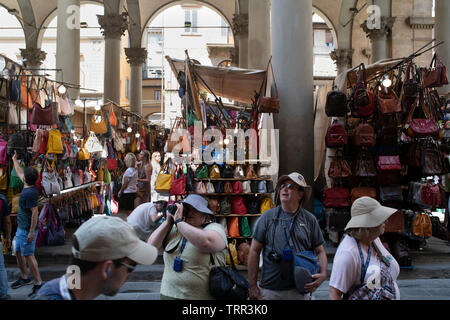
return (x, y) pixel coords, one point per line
(418, 289)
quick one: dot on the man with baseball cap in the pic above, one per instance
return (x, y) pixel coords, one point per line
(106, 250)
(281, 233)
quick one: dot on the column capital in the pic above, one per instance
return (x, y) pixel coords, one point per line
(240, 24)
(386, 25)
(113, 25)
(342, 57)
(33, 56)
(136, 56)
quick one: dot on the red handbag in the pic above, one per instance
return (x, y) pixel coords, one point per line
(363, 99)
(430, 195)
(44, 141)
(336, 197)
(389, 163)
(111, 164)
(435, 76)
(364, 135)
(238, 205)
(420, 127)
(237, 187)
(178, 186)
(336, 135)
(389, 102)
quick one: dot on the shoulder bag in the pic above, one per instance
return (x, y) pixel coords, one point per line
(268, 104)
(98, 127)
(164, 179)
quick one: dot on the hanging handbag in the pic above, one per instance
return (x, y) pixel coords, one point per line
(17, 143)
(64, 104)
(14, 88)
(13, 116)
(83, 153)
(336, 197)
(54, 144)
(178, 186)
(50, 183)
(112, 117)
(389, 163)
(67, 178)
(99, 127)
(268, 104)
(391, 193)
(26, 97)
(336, 104)
(339, 167)
(3, 152)
(364, 135)
(238, 205)
(34, 91)
(92, 144)
(430, 194)
(389, 102)
(431, 159)
(411, 84)
(418, 128)
(250, 172)
(43, 115)
(226, 283)
(3, 179)
(359, 192)
(336, 135)
(422, 226)
(388, 136)
(55, 231)
(363, 99)
(436, 74)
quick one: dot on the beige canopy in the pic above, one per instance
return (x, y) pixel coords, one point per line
(231, 83)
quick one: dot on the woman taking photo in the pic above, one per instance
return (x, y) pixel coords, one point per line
(362, 268)
(189, 238)
(144, 175)
(127, 193)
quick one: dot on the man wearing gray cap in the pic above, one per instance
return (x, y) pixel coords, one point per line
(282, 233)
(188, 248)
(106, 250)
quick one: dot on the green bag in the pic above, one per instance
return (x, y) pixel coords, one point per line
(14, 181)
(192, 117)
(106, 174)
(225, 206)
(244, 228)
(201, 172)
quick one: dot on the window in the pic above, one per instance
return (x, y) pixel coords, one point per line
(224, 28)
(158, 95)
(190, 20)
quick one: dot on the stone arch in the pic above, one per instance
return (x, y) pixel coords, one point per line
(170, 4)
(328, 21)
(18, 20)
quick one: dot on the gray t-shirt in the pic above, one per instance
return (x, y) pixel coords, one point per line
(140, 219)
(305, 235)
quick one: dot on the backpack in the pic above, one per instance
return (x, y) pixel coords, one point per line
(336, 135)
(336, 104)
(364, 135)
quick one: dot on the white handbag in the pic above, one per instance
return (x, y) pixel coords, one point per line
(50, 182)
(92, 144)
(13, 116)
(87, 178)
(104, 154)
(210, 188)
(246, 187)
(118, 144)
(239, 172)
(67, 178)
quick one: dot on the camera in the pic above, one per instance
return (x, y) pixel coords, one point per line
(275, 257)
(172, 208)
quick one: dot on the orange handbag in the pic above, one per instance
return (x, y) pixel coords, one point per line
(112, 117)
(25, 93)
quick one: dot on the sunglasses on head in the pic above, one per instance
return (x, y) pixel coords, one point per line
(291, 186)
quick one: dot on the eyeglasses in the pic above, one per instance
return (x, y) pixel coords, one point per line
(129, 267)
(291, 186)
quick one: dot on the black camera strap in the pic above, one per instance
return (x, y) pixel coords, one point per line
(290, 229)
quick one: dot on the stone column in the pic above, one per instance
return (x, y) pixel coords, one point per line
(259, 46)
(33, 58)
(113, 28)
(136, 58)
(378, 37)
(240, 31)
(342, 58)
(68, 45)
(442, 33)
(292, 45)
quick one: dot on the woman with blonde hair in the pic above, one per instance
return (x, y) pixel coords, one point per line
(156, 167)
(144, 176)
(127, 193)
(362, 268)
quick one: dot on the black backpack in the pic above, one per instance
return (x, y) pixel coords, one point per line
(336, 105)
(227, 172)
(16, 143)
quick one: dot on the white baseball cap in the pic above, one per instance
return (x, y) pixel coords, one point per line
(368, 213)
(109, 238)
(299, 180)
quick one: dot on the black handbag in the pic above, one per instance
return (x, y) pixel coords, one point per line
(218, 186)
(16, 142)
(269, 186)
(190, 179)
(55, 233)
(254, 184)
(226, 283)
(227, 172)
(391, 193)
(336, 105)
(253, 205)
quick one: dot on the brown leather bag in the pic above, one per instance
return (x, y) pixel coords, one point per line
(250, 172)
(389, 102)
(359, 192)
(339, 167)
(243, 251)
(422, 226)
(364, 166)
(364, 135)
(214, 205)
(431, 160)
(228, 187)
(436, 75)
(268, 104)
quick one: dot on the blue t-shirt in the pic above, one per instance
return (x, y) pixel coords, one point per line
(4, 210)
(28, 199)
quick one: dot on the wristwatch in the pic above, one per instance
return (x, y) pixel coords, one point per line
(179, 220)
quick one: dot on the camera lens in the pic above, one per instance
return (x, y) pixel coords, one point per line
(172, 209)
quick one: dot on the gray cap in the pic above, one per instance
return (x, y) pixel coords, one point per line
(198, 203)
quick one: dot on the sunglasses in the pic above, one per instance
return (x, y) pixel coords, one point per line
(129, 267)
(291, 186)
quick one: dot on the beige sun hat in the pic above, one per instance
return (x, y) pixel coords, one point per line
(299, 180)
(368, 213)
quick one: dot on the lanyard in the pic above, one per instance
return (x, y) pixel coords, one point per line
(291, 226)
(183, 244)
(365, 265)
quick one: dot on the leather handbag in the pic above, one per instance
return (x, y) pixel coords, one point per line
(67, 178)
(411, 84)
(238, 205)
(431, 160)
(363, 99)
(243, 252)
(436, 75)
(389, 163)
(336, 197)
(266, 204)
(391, 193)
(262, 187)
(201, 172)
(339, 168)
(55, 231)
(17, 143)
(54, 144)
(112, 117)
(92, 144)
(178, 186)
(3, 179)
(228, 187)
(214, 205)
(83, 153)
(430, 194)
(199, 187)
(269, 186)
(246, 187)
(418, 127)
(254, 186)
(98, 127)
(422, 226)
(237, 187)
(238, 172)
(388, 136)
(27, 101)
(244, 228)
(218, 186)
(389, 102)
(250, 172)
(210, 187)
(214, 172)
(50, 182)
(42, 116)
(227, 172)
(268, 104)
(337, 218)
(359, 192)
(65, 104)
(3, 152)
(364, 135)
(336, 135)
(164, 179)
(336, 104)
(225, 206)
(253, 205)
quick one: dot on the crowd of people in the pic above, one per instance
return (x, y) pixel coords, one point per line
(107, 249)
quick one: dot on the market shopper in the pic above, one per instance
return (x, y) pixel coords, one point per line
(362, 267)
(286, 227)
(156, 167)
(127, 193)
(106, 250)
(188, 246)
(5, 225)
(27, 227)
(144, 176)
(144, 219)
